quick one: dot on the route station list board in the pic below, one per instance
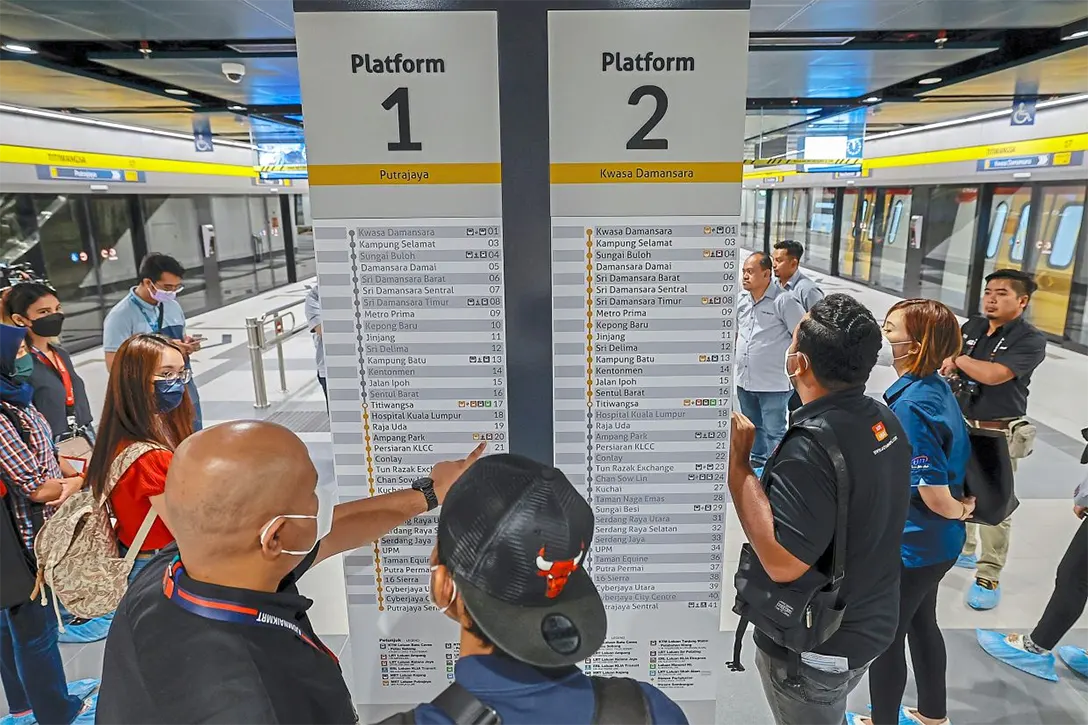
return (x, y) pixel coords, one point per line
(643, 326)
(646, 126)
(429, 313)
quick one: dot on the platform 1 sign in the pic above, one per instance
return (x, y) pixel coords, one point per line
(402, 130)
(647, 128)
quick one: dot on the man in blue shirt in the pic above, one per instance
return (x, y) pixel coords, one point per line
(150, 307)
(766, 318)
(512, 537)
(786, 258)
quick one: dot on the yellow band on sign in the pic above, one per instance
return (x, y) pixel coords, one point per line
(403, 174)
(683, 172)
(61, 157)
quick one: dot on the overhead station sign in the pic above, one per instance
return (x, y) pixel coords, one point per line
(76, 173)
(647, 128)
(1035, 161)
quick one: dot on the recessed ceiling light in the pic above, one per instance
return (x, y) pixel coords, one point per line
(872, 99)
(176, 92)
(236, 108)
(932, 80)
(19, 48)
(1077, 35)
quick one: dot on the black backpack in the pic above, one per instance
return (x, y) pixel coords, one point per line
(618, 701)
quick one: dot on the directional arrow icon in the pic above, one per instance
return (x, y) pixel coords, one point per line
(115, 175)
(1044, 159)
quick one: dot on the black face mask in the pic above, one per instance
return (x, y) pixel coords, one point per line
(49, 325)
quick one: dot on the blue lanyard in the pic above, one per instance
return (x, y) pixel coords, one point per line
(227, 611)
(155, 327)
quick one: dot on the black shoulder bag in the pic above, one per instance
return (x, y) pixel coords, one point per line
(803, 614)
(618, 701)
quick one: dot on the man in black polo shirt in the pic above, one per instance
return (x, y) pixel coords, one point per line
(1000, 352)
(216, 631)
(789, 517)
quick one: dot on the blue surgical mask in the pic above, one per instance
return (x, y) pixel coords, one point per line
(168, 394)
(22, 369)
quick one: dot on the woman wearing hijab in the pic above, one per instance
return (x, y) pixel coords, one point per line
(59, 395)
(36, 483)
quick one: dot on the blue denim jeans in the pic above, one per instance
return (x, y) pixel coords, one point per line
(198, 420)
(767, 411)
(31, 666)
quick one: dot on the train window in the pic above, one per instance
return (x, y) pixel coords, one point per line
(1001, 213)
(1016, 254)
(1065, 239)
(893, 228)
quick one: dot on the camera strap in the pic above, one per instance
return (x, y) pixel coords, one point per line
(826, 439)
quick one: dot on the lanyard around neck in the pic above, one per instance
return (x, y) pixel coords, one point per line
(155, 327)
(223, 610)
(61, 369)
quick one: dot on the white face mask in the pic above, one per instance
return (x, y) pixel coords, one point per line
(786, 364)
(887, 356)
(453, 598)
(326, 503)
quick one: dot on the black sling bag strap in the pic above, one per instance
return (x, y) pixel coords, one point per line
(618, 701)
(800, 615)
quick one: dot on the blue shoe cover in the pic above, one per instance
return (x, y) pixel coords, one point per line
(90, 631)
(1041, 666)
(967, 561)
(83, 688)
(852, 718)
(87, 714)
(27, 719)
(1075, 658)
(982, 598)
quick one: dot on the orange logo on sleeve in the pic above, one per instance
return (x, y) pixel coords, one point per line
(880, 431)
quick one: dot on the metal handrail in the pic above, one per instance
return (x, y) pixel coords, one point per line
(259, 341)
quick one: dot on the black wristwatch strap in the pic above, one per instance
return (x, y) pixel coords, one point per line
(426, 487)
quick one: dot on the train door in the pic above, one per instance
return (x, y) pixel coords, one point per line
(891, 239)
(1055, 234)
(1010, 214)
(865, 233)
(848, 234)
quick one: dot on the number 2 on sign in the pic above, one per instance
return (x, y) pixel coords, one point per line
(399, 98)
(661, 104)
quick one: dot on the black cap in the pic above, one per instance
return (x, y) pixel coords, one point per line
(515, 534)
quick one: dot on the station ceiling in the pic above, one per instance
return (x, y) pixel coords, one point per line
(116, 59)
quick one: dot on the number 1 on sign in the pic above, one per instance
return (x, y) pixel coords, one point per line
(399, 98)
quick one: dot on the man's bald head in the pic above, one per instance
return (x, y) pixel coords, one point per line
(228, 481)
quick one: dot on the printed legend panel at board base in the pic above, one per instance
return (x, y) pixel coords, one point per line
(644, 326)
(429, 310)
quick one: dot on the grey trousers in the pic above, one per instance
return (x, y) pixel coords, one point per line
(819, 699)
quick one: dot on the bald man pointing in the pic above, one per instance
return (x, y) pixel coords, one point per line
(216, 631)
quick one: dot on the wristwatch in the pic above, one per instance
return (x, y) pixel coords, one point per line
(426, 487)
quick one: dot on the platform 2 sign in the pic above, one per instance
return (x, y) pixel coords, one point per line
(647, 128)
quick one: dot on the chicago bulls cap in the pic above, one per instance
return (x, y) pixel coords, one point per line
(515, 533)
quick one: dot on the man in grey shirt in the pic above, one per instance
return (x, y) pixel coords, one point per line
(786, 260)
(312, 308)
(766, 318)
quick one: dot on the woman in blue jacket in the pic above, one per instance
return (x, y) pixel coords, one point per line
(920, 334)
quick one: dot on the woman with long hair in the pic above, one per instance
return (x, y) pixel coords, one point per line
(146, 402)
(34, 483)
(921, 334)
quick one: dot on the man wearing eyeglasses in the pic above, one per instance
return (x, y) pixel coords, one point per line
(151, 307)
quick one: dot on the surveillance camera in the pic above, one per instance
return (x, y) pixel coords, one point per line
(234, 72)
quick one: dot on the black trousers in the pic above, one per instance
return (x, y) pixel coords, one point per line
(918, 622)
(1070, 592)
